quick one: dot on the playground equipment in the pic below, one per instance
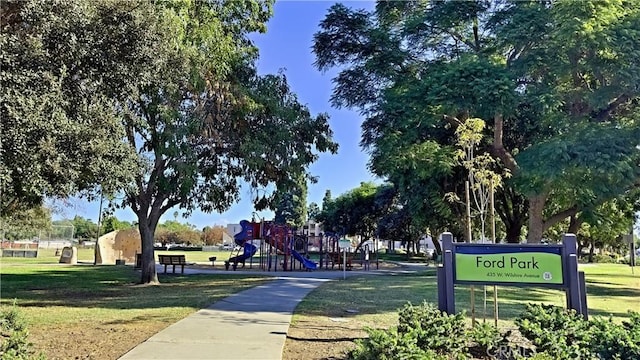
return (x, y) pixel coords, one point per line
(277, 242)
(281, 240)
(243, 239)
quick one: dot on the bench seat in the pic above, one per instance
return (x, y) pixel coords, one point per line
(173, 260)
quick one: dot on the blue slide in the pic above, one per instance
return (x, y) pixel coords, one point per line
(249, 251)
(241, 240)
(306, 262)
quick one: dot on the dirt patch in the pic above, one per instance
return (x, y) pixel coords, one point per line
(97, 341)
(322, 338)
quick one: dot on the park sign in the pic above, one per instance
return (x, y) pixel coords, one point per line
(548, 266)
(495, 264)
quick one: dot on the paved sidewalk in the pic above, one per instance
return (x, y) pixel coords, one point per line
(251, 324)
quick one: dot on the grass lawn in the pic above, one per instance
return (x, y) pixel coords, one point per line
(90, 312)
(332, 316)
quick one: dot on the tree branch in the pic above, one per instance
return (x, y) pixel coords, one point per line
(556, 218)
(603, 114)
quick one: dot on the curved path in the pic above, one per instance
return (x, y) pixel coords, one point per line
(251, 324)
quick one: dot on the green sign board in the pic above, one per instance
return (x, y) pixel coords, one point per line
(487, 264)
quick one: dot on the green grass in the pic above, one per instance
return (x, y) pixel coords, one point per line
(611, 290)
(51, 293)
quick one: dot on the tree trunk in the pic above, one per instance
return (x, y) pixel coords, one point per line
(536, 220)
(591, 249)
(149, 273)
(513, 234)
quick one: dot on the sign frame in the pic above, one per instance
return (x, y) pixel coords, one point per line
(573, 281)
(510, 249)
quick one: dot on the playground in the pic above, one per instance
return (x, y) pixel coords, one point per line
(275, 247)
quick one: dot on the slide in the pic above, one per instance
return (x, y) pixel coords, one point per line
(241, 240)
(249, 251)
(306, 262)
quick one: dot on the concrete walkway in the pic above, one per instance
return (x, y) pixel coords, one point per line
(251, 324)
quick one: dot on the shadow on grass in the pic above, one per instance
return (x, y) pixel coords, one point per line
(327, 340)
(595, 289)
(112, 287)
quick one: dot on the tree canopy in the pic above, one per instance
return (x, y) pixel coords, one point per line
(64, 65)
(556, 83)
(161, 100)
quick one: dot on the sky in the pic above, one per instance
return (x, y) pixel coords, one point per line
(286, 45)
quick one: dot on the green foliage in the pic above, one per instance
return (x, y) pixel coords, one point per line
(291, 202)
(561, 333)
(556, 84)
(112, 223)
(356, 212)
(485, 336)
(612, 341)
(313, 211)
(174, 232)
(25, 223)
(423, 332)
(14, 344)
(389, 345)
(564, 334)
(64, 64)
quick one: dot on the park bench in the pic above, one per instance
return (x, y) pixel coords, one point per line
(173, 260)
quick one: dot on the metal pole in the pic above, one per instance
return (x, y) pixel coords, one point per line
(469, 237)
(95, 247)
(493, 239)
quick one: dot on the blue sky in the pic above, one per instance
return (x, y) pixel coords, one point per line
(287, 45)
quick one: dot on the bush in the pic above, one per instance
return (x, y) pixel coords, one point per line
(486, 337)
(612, 341)
(604, 258)
(563, 334)
(423, 332)
(14, 344)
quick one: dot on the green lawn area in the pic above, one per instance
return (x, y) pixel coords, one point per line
(611, 289)
(68, 307)
(104, 301)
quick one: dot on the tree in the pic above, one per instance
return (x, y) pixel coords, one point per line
(557, 82)
(25, 224)
(291, 201)
(312, 211)
(111, 223)
(213, 235)
(206, 122)
(84, 228)
(355, 213)
(64, 63)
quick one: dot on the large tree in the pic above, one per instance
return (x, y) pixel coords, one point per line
(206, 121)
(64, 65)
(556, 81)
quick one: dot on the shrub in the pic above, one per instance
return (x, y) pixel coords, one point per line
(423, 332)
(561, 333)
(612, 341)
(486, 337)
(14, 344)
